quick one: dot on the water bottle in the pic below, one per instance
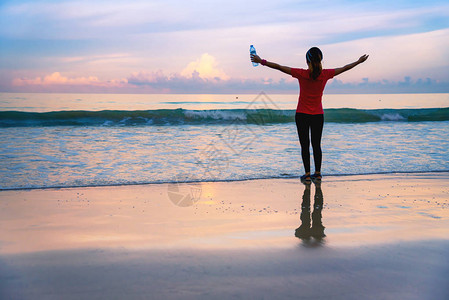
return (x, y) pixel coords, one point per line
(252, 51)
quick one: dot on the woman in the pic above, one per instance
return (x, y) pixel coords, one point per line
(309, 112)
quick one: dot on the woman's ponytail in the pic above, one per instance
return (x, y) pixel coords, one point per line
(314, 57)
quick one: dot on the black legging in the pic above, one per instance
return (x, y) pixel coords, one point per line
(315, 123)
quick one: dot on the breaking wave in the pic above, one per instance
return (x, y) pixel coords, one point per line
(180, 116)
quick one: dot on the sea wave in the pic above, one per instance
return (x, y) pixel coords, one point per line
(180, 116)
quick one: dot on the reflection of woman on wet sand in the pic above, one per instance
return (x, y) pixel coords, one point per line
(316, 231)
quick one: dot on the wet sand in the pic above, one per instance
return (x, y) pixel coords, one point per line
(352, 237)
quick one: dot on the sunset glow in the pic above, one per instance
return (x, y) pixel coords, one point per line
(179, 47)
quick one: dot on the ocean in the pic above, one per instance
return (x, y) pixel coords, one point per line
(78, 140)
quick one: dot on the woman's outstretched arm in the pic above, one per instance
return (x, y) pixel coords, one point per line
(350, 66)
(257, 59)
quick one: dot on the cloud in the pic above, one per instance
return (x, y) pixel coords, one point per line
(114, 58)
(56, 79)
(203, 76)
(422, 55)
(56, 82)
(175, 15)
(407, 85)
(175, 83)
(206, 67)
(198, 76)
(159, 82)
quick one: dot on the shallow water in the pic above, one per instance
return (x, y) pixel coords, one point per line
(83, 156)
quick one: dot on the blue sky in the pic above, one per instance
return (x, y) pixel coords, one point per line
(202, 46)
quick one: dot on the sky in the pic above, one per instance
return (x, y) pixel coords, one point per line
(199, 47)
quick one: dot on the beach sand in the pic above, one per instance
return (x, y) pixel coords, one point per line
(372, 237)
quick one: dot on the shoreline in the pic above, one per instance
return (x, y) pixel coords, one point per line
(59, 187)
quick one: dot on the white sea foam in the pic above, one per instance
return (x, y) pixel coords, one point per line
(392, 117)
(215, 114)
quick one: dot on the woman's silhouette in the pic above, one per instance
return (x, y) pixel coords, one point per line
(309, 112)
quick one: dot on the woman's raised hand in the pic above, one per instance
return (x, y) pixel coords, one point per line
(255, 58)
(363, 58)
